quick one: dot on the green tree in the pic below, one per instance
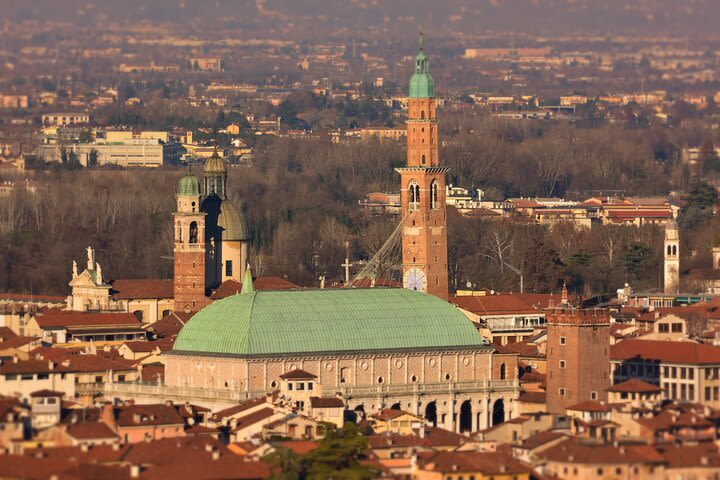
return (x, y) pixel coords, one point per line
(86, 136)
(92, 158)
(338, 456)
(636, 259)
(701, 194)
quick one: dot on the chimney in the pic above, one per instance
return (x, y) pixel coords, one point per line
(107, 416)
(134, 471)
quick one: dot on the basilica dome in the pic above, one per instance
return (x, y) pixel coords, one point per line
(233, 223)
(322, 321)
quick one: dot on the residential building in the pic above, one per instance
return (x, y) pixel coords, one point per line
(686, 371)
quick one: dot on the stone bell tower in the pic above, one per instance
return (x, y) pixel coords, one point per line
(189, 247)
(422, 187)
(671, 258)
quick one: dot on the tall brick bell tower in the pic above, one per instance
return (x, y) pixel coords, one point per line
(422, 187)
(189, 248)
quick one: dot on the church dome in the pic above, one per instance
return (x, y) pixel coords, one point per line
(189, 186)
(233, 223)
(215, 164)
(333, 320)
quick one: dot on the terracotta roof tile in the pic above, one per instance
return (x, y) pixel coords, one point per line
(320, 402)
(153, 414)
(297, 374)
(574, 451)
(486, 463)
(130, 289)
(232, 287)
(672, 352)
(300, 447)
(62, 318)
(635, 385)
(90, 431)
(389, 414)
(533, 397)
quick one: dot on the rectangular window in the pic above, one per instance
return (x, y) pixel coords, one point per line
(290, 385)
(562, 392)
(691, 373)
(562, 363)
(98, 379)
(683, 391)
(43, 376)
(708, 394)
(677, 327)
(683, 373)
(664, 328)
(666, 372)
(301, 386)
(691, 392)
(716, 394)
(562, 340)
(10, 377)
(310, 385)
(228, 268)
(26, 376)
(593, 395)
(673, 372)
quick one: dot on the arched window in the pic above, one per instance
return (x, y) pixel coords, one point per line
(674, 249)
(193, 232)
(193, 206)
(422, 114)
(502, 371)
(669, 249)
(414, 195)
(423, 159)
(434, 195)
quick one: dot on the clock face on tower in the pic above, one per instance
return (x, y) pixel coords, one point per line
(415, 279)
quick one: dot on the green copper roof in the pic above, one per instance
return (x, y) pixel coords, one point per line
(189, 185)
(422, 84)
(311, 321)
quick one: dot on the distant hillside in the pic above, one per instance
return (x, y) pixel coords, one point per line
(396, 16)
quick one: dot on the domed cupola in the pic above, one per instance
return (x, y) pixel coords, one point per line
(215, 173)
(189, 186)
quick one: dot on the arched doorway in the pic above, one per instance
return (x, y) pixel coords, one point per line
(466, 416)
(498, 412)
(431, 413)
(395, 406)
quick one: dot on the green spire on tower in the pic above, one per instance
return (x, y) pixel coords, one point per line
(247, 285)
(422, 84)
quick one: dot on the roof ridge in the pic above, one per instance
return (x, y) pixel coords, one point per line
(251, 322)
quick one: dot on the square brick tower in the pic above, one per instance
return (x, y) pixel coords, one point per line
(189, 248)
(422, 191)
(578, 357)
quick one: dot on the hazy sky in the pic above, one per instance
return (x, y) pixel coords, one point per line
(471, 16)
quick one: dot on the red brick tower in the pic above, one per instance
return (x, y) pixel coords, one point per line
(422, 187)
(578, 357)
(189, 249)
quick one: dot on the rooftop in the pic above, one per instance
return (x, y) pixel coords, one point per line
(331, 320)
